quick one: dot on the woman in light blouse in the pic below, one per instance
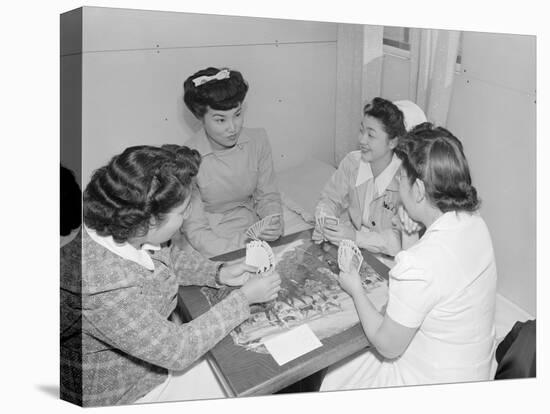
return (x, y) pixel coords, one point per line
(236, 181)
(364, 191)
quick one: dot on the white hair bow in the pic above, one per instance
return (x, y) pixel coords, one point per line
(201, 80)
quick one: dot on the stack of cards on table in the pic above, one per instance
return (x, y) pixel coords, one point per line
(256, 229)
(349, 257)
(259, 254)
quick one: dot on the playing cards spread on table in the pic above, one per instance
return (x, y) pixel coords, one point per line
(349, 257)
(259, 254)
(256, 229)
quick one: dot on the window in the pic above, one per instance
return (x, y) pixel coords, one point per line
(397, 37)
(396, 41)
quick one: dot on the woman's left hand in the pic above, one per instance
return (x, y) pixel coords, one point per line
(273, 230)
(336, 233)
(236, 274)
(351, 283)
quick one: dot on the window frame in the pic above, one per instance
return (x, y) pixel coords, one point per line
(406, 54)
(396, 50)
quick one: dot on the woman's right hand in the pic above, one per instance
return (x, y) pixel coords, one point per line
(260, 289)
(351, 283)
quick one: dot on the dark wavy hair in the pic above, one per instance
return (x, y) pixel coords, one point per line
(435, 156)
(221, 95)
(70, 202)
(141, 183)
(389, 115)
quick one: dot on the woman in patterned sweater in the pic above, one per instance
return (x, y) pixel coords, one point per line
(117, 343)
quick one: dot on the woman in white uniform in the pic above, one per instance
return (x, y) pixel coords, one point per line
(439, 322)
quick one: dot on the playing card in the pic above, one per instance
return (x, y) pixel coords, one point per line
(349, 256)
(323, 219)
(259, 254)
(256, 229)
(320, 218)
(250, 233)
(356, 260)
(331, 221)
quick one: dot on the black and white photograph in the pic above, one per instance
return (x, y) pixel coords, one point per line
(279, 211)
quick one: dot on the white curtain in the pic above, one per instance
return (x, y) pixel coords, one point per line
(433, 59)
(349, 73)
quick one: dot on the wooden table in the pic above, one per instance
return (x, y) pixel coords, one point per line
(246, 373)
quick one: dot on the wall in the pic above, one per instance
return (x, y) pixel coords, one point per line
(373, 57)
(134, 64)
(493, 111)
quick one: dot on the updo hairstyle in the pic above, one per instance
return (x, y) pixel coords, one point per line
(221, 95)
(435, 156)
(141, 183)
(388, 114)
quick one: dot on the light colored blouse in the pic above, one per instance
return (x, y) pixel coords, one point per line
(375, 185)
(344, 196)
(236, 188)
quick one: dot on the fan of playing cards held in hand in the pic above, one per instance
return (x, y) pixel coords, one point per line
(324, 219)
(349, 257)
(256, 229)
(259, 254)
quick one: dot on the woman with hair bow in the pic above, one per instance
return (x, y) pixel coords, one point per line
(236, 180)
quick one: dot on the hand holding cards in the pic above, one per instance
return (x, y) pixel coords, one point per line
(259, 254)
(255, 231)
(324, 219)
(349, 257)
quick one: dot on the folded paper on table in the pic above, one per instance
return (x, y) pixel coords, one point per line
(292, 344)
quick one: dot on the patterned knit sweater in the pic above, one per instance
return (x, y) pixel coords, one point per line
(116, 340)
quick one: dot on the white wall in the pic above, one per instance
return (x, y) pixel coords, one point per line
(134, 64)
(493, 112)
